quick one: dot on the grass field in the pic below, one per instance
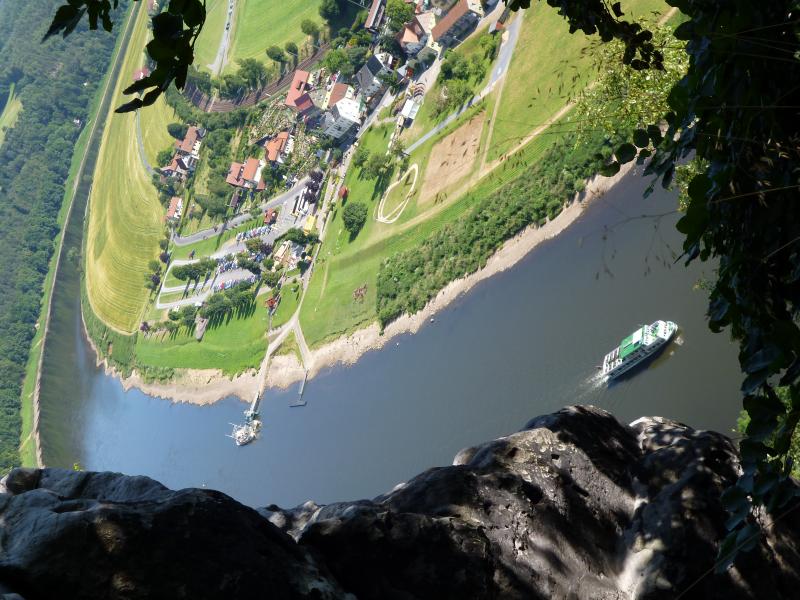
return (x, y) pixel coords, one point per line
(154, 120)
(205, 49)
(10, 113)
(234, 346)
(289, 301)
(263, 23)
(125, 218)
(553, 65)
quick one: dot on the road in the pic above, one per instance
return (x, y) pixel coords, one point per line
(222, 52)
(500, 69)
(148, 167)
(278, 200)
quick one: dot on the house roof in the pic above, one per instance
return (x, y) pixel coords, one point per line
(177, 165)
(450, 19)
(304, 103)
(338, 91)
(410, 33)
(276, 146)
(250, 169)
(233, 177)
(427, 21)
(189, 140)
(174, 203)
(375, 14)
(297, 88)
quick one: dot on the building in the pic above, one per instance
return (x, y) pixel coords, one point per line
(369, 76)
(246, 175)
(178, 168)
(189, 147)
(458, 20)
(375, 16)
(279, 148)
(299, 95)
(140, 74)
(412, 37)
(175, 210)
(344, 114)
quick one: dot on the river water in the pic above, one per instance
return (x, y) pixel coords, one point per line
(520, 344)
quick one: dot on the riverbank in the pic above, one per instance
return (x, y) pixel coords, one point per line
(347, 350)
(206, 386)
(30, 439)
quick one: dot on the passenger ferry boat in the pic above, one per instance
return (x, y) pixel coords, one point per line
(637, 347)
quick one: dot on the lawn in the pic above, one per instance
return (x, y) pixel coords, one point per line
(125, 220)
(10, 113)
(233, 346)
(154, 120)
(289, 346)
(205, 49)
(263, 23)
(553, 65)
(290, 298)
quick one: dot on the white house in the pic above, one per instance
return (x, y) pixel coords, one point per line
(369, 76)
(344, 113)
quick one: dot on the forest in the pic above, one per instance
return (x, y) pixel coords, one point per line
(55, 82)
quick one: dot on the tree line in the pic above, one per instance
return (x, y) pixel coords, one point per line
(55, 82)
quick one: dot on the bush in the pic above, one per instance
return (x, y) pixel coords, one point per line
(177, 130)
(354, 217)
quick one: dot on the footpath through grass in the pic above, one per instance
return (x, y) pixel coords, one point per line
(264, 23)
(125, 218)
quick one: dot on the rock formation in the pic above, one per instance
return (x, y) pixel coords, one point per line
(576, 505)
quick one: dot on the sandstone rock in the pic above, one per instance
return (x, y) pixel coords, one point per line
(576, 505)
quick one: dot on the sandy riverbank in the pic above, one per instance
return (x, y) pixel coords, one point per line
(205, 386)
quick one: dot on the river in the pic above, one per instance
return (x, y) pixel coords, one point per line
(520, 344)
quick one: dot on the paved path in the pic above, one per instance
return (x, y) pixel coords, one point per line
(148, 167)
(503, 61)
(222, 52)
(278, 200)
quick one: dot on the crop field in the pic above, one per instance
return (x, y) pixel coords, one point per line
(155, 137)
(263, 23)
(205, 49)
(125, 218)
(233, 346)
(10, 113)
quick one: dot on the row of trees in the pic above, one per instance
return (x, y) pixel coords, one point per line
(196, 270)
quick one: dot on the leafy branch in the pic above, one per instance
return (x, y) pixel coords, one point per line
(175, 32)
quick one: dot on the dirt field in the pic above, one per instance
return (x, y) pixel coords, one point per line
(452, 159)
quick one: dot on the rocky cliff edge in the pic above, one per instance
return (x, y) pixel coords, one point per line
(576, 505)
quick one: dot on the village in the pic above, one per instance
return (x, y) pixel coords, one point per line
(254, 225)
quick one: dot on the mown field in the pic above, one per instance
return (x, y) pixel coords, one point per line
(205, 49)
(155, 137)
(10, 113)
(125, 218)
(263, 23)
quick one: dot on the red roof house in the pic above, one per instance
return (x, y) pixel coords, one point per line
(245, 175)
(276, 147)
